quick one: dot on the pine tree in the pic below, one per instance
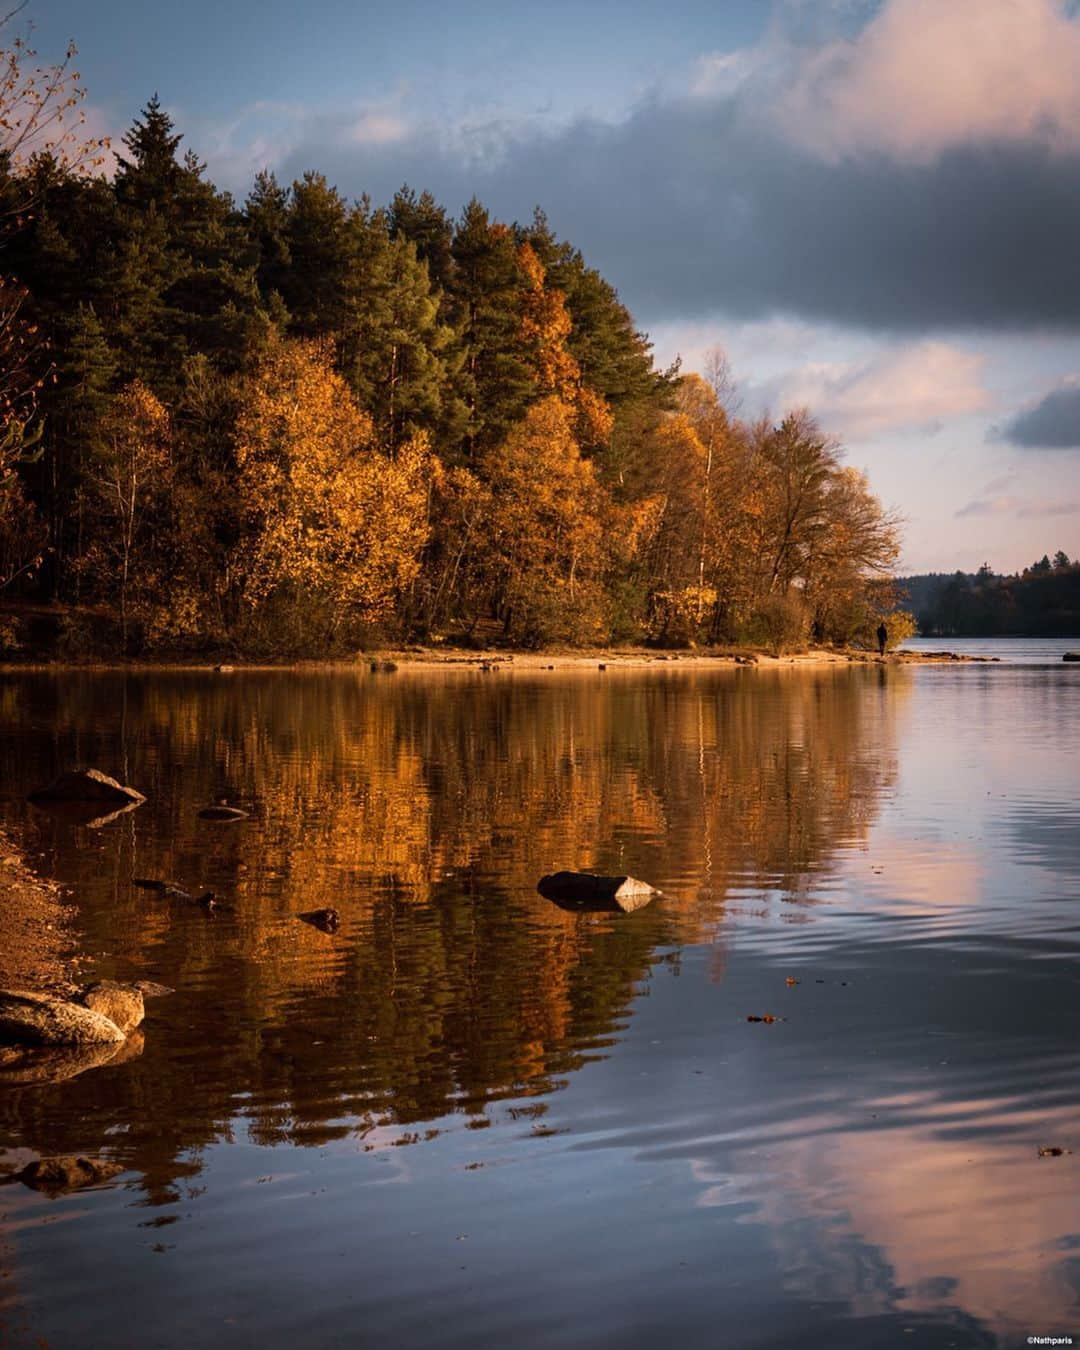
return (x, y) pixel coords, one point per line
(151, 175)
(497, 380)
(86, 372)
(319, 284)
(266, 214)
(396, 353)
(426, 224)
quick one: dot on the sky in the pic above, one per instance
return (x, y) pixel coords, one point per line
(873, 206)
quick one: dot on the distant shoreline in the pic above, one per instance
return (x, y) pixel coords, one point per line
(427, 659)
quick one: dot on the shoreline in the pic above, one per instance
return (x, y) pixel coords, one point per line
(40, 949)
(431, 658)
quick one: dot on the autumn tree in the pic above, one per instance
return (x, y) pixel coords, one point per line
(40, 115)
(129, 477)
(333, 525)
(543, 559)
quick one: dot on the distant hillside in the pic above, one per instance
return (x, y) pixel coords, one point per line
(1041, 601)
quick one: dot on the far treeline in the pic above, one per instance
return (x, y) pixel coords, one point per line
(1041, 601)
(306, 425)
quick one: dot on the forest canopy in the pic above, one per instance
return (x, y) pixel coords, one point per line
(1041, 601)
(302, 424)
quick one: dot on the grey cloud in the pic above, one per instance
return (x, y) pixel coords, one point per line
(1052, 424)
(697, 207)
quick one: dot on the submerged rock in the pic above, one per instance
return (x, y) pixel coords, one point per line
(171, 891)
(220, 811)
(42, 1019)
(69, 1172)
(37, 1065)
(329, 920)
(588, 892)
(86, 785)
(121, 1003)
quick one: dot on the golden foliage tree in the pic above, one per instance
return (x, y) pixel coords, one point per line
(544, 548)
(330, 518)
(545, 331)
(129, 477)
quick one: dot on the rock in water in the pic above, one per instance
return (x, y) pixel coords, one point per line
(329, 920)
(1071, 656)
(588, 892)
(151, 989)
(219, 811)
(27, 1065)
(67, 1173)
(121, 1003)
(86, 785)
(41, 1019)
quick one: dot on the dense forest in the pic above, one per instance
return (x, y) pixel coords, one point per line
(1041, 601)
(305, 425)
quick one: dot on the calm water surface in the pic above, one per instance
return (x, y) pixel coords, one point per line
(471, 1119)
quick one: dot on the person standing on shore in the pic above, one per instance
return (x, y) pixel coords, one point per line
(882, 637)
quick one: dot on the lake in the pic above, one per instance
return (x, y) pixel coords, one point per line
(470, 1118)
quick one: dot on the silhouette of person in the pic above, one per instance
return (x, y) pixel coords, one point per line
(882, 637)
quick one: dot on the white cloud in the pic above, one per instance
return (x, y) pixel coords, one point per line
(376, 127)
(914, 387)
(925, 75)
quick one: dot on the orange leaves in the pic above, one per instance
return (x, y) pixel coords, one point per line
(39, 111)
(545, 330)
(139, 421)
(328, 512)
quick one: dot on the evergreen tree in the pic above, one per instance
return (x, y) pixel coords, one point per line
(496, 379)
(266, 214)
(426, 224)
(86, 373)
(397, 355)
(321, 241)
(186, 268)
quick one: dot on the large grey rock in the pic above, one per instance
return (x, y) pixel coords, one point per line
(42, 1019)
(120, 1003)
(598, 894)
(86, 785)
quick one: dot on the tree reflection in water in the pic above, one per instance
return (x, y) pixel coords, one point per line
(424, 808)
